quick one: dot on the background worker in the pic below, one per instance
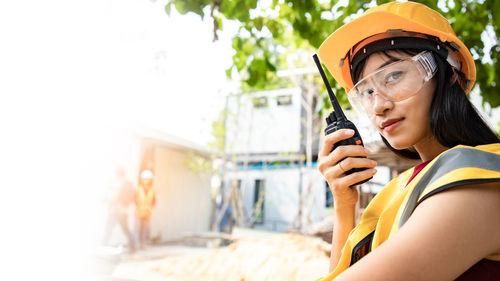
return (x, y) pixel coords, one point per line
(144, 201)
(118, 199)
(405, 69)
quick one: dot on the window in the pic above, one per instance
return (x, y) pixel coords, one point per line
(329, 196)
(258, 201)
(260, 101)
(284, 100)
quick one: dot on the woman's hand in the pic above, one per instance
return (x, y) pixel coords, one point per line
(334, 164)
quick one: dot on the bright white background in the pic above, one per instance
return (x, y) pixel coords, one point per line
(69, 72)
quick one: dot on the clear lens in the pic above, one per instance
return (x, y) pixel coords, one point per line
(395, 82)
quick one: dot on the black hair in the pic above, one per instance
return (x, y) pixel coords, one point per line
(452, 117)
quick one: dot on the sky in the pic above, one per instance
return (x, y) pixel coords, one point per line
(117, 63)
(174, 74)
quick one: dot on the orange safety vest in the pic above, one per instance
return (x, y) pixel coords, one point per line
(144, 202)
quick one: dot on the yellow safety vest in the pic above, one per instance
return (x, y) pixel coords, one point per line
(145, 200)
(392, 207)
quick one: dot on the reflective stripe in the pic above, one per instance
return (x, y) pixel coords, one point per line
(453, 159)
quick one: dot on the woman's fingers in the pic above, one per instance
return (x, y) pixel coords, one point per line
(340, 153)
(354, 178)
(338, 170)
(334, 164)
(341, 184)
(352, 162)
(331, 139)
(344, 151)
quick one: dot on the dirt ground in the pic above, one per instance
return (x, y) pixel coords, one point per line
(281, 257)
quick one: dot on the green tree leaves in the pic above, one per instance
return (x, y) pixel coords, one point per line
(186, 6)
(237, 10)
(268, 32)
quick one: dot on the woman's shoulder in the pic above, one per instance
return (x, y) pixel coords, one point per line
(465, 217)
(472, 207)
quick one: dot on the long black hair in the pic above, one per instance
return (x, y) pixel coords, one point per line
(452, 117)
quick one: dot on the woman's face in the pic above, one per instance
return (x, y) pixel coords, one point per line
(402, 123)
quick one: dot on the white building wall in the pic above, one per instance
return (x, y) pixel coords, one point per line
(281, 202)
(282, 198)
(281, 195)
(274, 128)
(317, 207)
(183, 197)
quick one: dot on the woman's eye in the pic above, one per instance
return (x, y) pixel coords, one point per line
(366, 92)
(393, 76)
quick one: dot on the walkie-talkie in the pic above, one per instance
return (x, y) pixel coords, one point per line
(337, 120)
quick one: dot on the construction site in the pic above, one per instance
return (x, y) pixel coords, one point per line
(256, 210)
(256, 221)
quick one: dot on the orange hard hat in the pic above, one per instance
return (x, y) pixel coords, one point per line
(406, 22)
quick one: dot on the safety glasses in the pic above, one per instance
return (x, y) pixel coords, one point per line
(394, 82)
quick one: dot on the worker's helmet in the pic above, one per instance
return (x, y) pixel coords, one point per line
(394, 25)
(146, 175)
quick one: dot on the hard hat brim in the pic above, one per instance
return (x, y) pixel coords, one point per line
(335, 48)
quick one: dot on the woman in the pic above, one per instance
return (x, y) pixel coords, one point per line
(402, 65)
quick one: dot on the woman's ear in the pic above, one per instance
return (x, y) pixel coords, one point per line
(457, 77)
(454, 76)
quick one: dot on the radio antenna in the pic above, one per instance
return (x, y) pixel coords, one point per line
(336, 106)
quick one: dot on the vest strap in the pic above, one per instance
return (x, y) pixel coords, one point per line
(453, 159)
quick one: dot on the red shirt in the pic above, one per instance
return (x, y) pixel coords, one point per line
(483, 270)
(417, 170)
